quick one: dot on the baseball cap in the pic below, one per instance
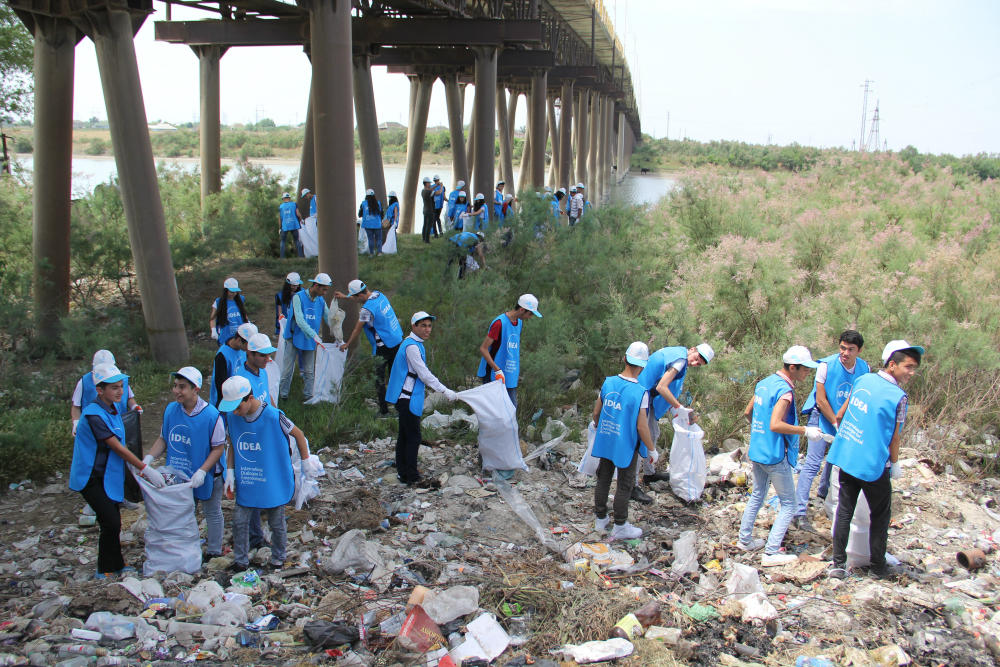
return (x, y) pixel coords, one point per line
(355, 287)
(437, 177)
(508, 197)
(426, 179)
(579, 186)
(480, 195)
(191, 374)
(896, 346)
(102, 358)
(461, 193)
(799, 354)
(501, 183)
(460, 185)
(247, 330)
(637, 353)
(233, 391)
(294, 278)
(530, 303)
(421, 315)
(232, 285)
(392, 193)
(572, 188)
(259, 342)
(108, 373)
(286, 196)
(481, 236)
(305, 191)
(369, 192)
(706, 352)
(562, 190)
(322, 279)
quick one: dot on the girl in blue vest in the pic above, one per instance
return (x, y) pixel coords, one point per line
(452, 198)
(774, 450)
(478, 214)
(224, 320)
(370, 213)
(834, 378)
(283, 299)
(456, 211)
(501, 349)
(557, 205)
(392, 217)
(498, 201)
(407, 383)
(228, 359)
(291, 223)
(259, 470)
(85, 392)
(621, 437)
(303, 330)
(98, 467)
(438, 192)
(193, 436)
(866, 449)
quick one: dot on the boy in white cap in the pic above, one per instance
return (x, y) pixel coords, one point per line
(259, 468)
(501, 349)
(229, 359)
(576, 205)
(866, 449)
(254, 368)
(310, 197)
(468, 245)
(622, 437)
(193, 436)
(291, 223)
(303, 333)
(774, 450)
(438, 192)
(407, 382)
(85, 392)
(498, 201)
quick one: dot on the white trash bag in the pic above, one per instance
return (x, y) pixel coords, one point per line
(329, 373)
(858, 549)
(273, 377)
(687, 461)
(589, 462)
(362, 241)
(309, 237)
(172, 539)
(389, 244)
(499, 443)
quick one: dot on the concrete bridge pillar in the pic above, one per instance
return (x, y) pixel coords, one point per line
(622, 130)
(209, 121)
(484, 111)
(456, 126)
(368, 136)
(601, 176)
(420, 92)
(565, 172)
(537, 128)
(594, 122)
(553, 133)
(582, 137)
(515, 95)
(504, 137)
(307, 165)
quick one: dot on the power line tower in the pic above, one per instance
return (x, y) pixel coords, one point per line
(864, 114)
(874, 142)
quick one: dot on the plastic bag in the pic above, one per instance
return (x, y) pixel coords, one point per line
(306, 484)
(172, 539)
(133, 441)
(588, 464)
(515, 500)
(389, 244)
(685, 554)
(274, 374)
(687, 461)
(330, 360)
(743, 580)
(499, 443)
(362, 241)
(447, 605)
(309, 237)
(858, 549)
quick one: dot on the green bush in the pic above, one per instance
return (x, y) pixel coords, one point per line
(23, 145)
(96, 147)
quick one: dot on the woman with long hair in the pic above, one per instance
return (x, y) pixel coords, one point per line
(460, 206)
(228, 312)
(370, 213)
(283, 299)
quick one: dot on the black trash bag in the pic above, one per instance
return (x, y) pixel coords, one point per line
(133, 442)
(323, 634)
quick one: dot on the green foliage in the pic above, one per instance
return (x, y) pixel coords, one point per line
(658, 153)
(96, 147)
(17, 57)
(23, 145)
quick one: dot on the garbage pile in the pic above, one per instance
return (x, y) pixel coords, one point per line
(487, 571)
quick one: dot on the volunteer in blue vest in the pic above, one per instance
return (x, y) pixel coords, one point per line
(438, 191)
(222, 323)
(259, 470)
(501, 349)
(834, 378)
(194, 438)
(98, 467)
(283, 299)
(85, 392)
(467, 245)
(774, 451)
(456, 212)
(308, 195)
(427, 197)
(557, 204)
(391, 216)
(475, 219)
(498, 201)
(370, 213)
(452, 198)
(254, 367)
(866, 449)
(407, 384)
(663, 377)
(621, 438)
(303, 333)
(229, 359)
(291, 223)
(381, 326)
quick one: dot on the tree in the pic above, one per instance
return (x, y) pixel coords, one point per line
(17, 57)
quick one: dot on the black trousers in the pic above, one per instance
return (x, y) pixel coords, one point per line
(428, 226)
(623, 494)
(386, 355)
(879, 497)
(407, 443)
(109, 547)
(437, 221)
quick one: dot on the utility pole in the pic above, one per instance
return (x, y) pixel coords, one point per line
(873, 134)
(864, 114)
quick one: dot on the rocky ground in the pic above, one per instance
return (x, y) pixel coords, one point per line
(359, 551)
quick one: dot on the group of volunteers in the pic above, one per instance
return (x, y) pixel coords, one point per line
(572, 205)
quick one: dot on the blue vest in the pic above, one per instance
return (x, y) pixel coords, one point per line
(508, 356)
(312, 205)
(398, 374)
(617, 434)
(438, 191)
(289, 221)
(555, 208)
(258, 383)
(480, 223)
(837, 386)
(452, 196)
(455, 215)
(88, 393)
(312, 311)
(261, 459)
(766, 446)
(861, 447)
(384, 322)
(233, 318)
(658, 364)
(189, 442)
(280, 310)
(370, 219)
(466, 240)
(498, 204)
(392, 213)
(234, 360)
(85, 453)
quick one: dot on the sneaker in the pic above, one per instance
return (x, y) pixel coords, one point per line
(886, 571)
(754, 545)
(129, 505)
(257, 544)
(625, 531)
(126, 571)
(88, 510)
(656, 477)
(641, 496)
(837, 572)
(239, 567)
(276, 566)
(601, 525)
(774, 560)
(99, 576)
(802, 523)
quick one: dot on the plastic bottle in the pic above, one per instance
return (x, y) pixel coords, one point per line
(78, 661)
(112, 626)
(627, 628)
(82, 649)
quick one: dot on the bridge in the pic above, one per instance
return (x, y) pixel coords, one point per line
(562, 55)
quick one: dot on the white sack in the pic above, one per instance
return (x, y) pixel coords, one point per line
(389, 244)
(172, 539)
(274, 374)
(330, 360)
(589, 462)
(362, 241)
(306, 484)
(687, 461)
(499, 443)
(279, 357)
(858, 550)
(309, 237)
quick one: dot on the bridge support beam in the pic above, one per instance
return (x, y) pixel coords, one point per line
(456, 126)
(506, 146)
(368, 137)
(420, 89)
(161, 307)
(536, 128)
(553, 134)
(602, 150)
(582, 136)
(209, 130)
(565, 174)
(55, 50)
(622, 171)
(307, 164)
(594, 124)
(484, 110)
(470, 149)
(515, 95)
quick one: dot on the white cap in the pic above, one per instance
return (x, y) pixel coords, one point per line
(480, 195)
(579, 186)
(562, 190)
(706, 352)
(108, 373)
(322, 279)
(191, 374)
(799, 354)
(426, 179)
(437, 177)
(530, 303)
(501, 183)
(508, 197)
(572, 188)
(896, 346)
(369, 192)
(287, 195)
(461, 193)
(637, 353)
(233, 391)
(247, 330)
(259, 342)
(460, 185)
(355, 287)
(294, 278)
(102, 358)
(392, 193)
(421, 315)
(231, 284)
(305, 191)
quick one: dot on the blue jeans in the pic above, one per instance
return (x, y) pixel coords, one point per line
(307, 366)
(374, 241)
(295, 240)
(780, 475)
(241, 534)
(211, 509)
(807, 473)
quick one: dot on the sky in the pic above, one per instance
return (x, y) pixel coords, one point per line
(760, 71)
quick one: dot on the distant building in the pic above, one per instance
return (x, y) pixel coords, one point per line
(162, 127)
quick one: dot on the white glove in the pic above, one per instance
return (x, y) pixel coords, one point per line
(591, 426)
(814, 433)
(319, 341)
(654, 456)
(895, 472)
(498, 375)
(450, 395)
(147, 459)
(153, 476)
(198, 478)
(138, 408)
(828, 438)
(75, 422)
(312, 466)
(215, 334)
(230, 481)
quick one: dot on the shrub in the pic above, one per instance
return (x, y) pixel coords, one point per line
(23, 145)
